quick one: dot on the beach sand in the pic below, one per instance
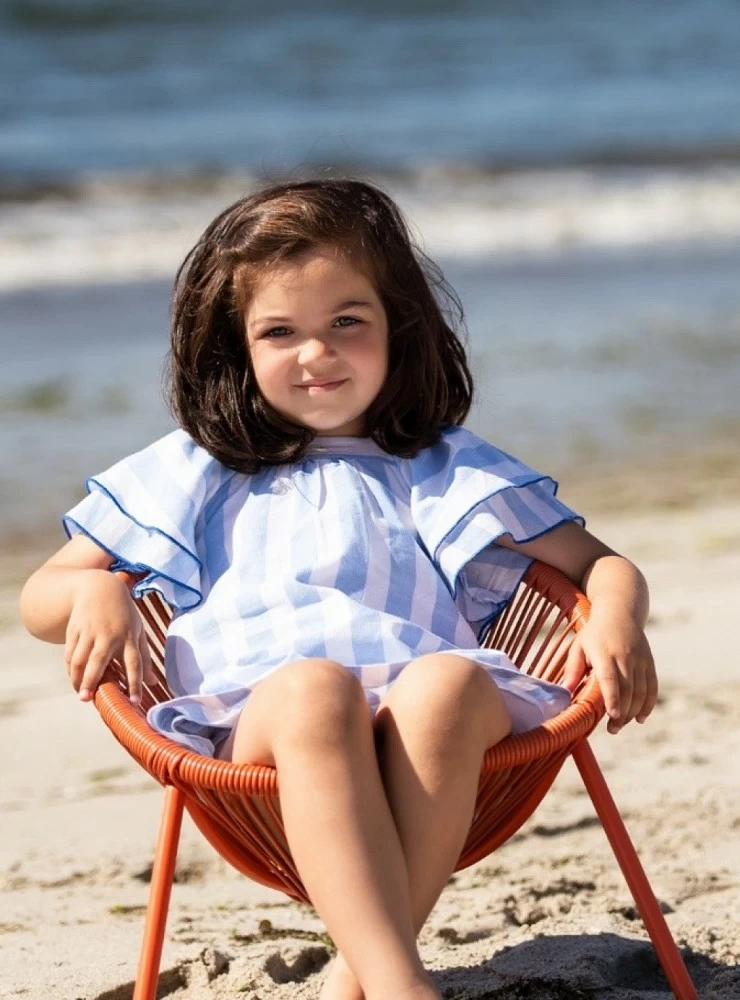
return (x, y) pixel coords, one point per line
(548, 915)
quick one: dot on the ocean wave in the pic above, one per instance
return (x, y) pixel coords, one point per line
(138, 226)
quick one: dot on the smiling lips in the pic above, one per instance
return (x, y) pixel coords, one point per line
(315, 388)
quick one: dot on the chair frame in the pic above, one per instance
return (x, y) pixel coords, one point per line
(236, 806)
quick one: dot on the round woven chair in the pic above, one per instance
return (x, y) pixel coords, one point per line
(236, 807)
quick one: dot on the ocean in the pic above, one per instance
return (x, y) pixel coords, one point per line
(574, 168)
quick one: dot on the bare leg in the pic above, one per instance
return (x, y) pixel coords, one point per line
(433, 728)
(311, 720)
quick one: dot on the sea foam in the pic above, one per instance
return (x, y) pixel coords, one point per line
(122, 227)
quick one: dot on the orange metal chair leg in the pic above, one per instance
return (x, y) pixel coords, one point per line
(159, 895)
(634, 873)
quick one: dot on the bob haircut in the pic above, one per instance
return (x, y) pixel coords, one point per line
(213, 392)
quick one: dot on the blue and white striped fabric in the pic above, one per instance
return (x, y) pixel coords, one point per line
(351, 554)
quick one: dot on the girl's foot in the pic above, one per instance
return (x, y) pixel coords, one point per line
(341, 983)
(421, 991)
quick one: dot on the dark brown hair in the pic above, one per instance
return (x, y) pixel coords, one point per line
(213, 392)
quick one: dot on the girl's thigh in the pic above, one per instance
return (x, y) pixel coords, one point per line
(275, 703)
(254, 744)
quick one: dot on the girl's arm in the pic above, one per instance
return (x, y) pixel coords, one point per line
(74, 599)
(613, 642)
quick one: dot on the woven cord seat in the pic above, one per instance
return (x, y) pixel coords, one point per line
(236, 806)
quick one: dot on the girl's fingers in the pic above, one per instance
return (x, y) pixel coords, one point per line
(639, 691)
(628, 681)
(70, 645)
(97, 661)
(77, 662)
(609, 682)
(651, 693)
(616, 688)
(132, 662)
(150, 676)
(575, 666)
(626, 688)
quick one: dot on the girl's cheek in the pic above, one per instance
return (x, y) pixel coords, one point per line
(267, 367)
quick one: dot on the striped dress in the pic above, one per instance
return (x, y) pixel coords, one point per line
(350, 554)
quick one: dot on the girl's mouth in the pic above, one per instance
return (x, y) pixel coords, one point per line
(315, 390)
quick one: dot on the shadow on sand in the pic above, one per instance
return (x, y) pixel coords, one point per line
(583, 967)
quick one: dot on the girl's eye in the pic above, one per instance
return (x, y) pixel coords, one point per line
(280, 332)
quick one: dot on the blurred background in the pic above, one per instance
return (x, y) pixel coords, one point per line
(573, 167)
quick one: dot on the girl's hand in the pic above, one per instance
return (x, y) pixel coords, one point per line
(617, 650)
(613, 642)
(104, 624)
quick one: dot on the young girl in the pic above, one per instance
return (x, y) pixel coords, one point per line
(334, 543)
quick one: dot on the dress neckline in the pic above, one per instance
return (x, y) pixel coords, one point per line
(346, 445)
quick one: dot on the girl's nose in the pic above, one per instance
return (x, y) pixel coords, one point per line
(312, 349)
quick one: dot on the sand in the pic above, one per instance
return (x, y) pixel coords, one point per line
(548, 915)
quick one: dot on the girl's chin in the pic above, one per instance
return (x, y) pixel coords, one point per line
(326, 428)
(326, 424)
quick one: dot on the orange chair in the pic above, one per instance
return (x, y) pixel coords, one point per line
(236, 806)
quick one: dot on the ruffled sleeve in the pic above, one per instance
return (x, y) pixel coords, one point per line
(145, 512)
(465, 493)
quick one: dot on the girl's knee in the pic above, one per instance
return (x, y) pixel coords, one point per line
(446, 690)
(317, 699)
(301, 703)
(319, 679)
(446, 677)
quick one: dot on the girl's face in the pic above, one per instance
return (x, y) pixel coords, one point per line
(317, 333)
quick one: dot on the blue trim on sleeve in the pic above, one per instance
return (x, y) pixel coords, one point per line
(140, 524)
(535, 480)
(148, 583)
(545, 531)
(518, 541)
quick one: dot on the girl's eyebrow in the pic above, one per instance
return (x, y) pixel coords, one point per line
(351, 304)
(348, 304)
